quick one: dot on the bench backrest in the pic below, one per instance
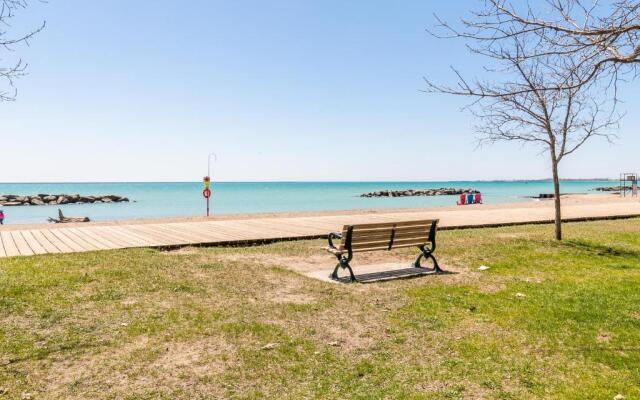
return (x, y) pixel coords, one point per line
(388, 235)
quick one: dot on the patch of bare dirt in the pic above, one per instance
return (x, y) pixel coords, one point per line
(471, 390)
(181, 251)
(350, 334)
(177, 365)
(291, 294)
(319, 266)
(530, 279)
(298, 264)
(512, 235)
(195, 358)
(70, 371)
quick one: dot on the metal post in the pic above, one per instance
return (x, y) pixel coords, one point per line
(215, 157)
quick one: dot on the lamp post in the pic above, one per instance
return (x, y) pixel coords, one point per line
(207, 179)
(215, 158)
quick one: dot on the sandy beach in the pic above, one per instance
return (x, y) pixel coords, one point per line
(583, 205)
(29, 240)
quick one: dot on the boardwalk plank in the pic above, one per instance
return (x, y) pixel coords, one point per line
(214, 234)
(133, 240)
(34, 244)
(160, 235)
(287, 227)
(79, 240)
(63, 237)
(21, 244)
(318, 225)
(114, 237)
(222, 234)
(223, 231)
(9, 245)
(198, 233)
(3, 253)
(83, 236)
(140, 239)
(184, 233)
(104, 241)
(261, 231)
(61, 245)
(48, 246)
(242, 232)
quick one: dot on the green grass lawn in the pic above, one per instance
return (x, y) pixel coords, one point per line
(547, 320)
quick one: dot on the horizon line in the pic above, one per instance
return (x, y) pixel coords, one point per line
(312, 181)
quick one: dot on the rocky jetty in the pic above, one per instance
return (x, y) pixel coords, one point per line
(611, 188)
(418, 192)
(55, 199)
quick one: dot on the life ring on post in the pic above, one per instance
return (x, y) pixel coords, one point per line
(206, 193)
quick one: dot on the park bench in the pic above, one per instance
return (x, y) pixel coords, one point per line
(384, 236)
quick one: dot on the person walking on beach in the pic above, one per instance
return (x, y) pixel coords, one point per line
(1, 217)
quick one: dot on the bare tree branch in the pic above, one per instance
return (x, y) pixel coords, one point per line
(549, 78)
(603, 40)
(13, 71)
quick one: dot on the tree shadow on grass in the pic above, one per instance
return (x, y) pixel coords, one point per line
(599, 249)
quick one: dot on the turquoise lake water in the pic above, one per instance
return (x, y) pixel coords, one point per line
(154, 200)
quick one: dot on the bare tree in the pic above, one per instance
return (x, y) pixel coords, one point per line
(557, 65)
(13, 70)
(533, 101)
(601, 38)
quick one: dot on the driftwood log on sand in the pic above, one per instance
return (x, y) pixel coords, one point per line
(62, 219)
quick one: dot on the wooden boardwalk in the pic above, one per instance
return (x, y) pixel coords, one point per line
(47, 239)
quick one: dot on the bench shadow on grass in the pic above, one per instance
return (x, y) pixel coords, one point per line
(403, 273)
(599, 249)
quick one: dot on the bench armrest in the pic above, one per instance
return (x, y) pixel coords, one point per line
(333, 235)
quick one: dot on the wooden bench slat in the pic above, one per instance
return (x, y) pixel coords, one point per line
(379, 225)
(387, 235)
(415, 241)
(365, 228)
(379, 235)
(425, 234)
(382, 248)
(422, 238)
(389, 228)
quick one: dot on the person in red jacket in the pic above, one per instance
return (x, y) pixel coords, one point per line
(1, 217)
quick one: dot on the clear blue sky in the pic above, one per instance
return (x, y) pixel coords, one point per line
(281, 90)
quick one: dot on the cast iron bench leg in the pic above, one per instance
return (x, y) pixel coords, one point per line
(343, 262)
(426, 253)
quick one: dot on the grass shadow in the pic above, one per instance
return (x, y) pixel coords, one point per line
(598, 249)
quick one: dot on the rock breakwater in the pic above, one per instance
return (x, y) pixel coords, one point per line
(418, 192)
(611, 188)
(55, 199)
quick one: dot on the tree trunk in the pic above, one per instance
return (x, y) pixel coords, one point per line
(556, 196)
